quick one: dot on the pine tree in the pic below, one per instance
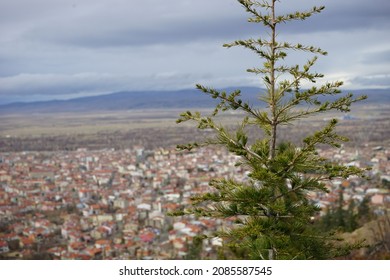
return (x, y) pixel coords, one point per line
(351, 223)
(339, 219)
(271, 211)
(195, 249)
(340, 213)
(327, 220)
(364, 211)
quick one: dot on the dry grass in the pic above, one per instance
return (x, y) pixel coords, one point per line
(376, 235)
(92, 123)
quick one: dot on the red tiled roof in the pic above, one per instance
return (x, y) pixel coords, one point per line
(102, 242)
(147, 237)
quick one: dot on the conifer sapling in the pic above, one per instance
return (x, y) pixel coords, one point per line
(271, 212)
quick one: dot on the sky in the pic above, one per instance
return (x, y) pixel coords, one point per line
(56, 49)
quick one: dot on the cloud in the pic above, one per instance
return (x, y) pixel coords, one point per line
(52, 84)
(32, 87)
(351, 15)
(68, 48)
(76, 84)
(376, 57)
(376, 81)
(121, 23)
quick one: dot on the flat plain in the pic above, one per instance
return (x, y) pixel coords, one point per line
(154, 127)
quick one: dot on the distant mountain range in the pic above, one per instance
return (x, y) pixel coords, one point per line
(183, 99)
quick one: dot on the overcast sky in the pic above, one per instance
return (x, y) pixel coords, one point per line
(69, 48)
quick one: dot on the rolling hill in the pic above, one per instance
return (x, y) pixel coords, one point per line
(120, 101)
